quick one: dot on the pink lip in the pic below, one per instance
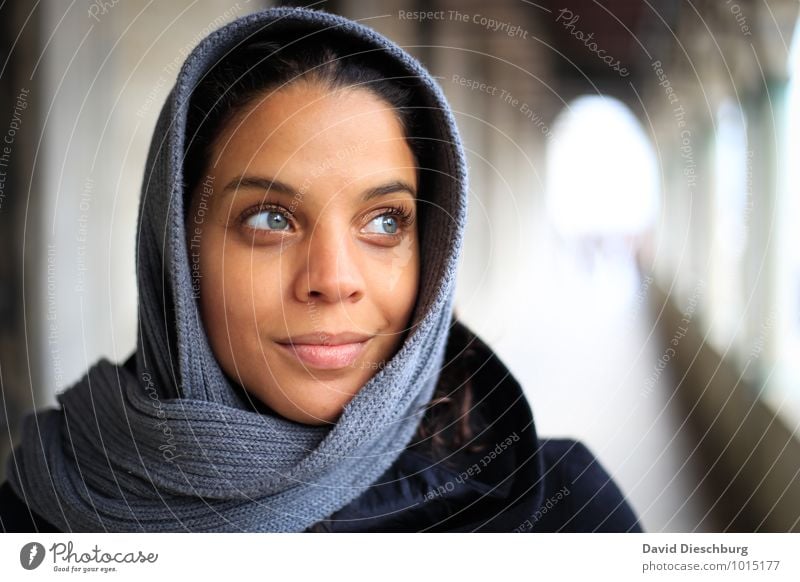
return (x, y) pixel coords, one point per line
(325, 357)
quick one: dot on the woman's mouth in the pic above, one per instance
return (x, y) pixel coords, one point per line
(325, 357)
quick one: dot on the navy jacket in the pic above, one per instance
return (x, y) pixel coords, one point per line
(517, 483)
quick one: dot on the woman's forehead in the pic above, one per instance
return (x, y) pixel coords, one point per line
(312, 117)
(300, 137)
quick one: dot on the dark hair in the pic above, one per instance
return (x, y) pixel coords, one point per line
(257, 67)
(452, 422)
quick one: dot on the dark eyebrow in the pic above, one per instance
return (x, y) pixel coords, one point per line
(266, 183)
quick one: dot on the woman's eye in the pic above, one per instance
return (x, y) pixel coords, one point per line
(385, 224)
(268, 220)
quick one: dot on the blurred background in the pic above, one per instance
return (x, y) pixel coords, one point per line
(632, 255)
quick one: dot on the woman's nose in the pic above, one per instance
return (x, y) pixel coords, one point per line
(331, 271)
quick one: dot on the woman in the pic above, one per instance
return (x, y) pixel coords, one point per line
(299, 366)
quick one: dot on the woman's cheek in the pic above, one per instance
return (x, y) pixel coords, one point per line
(247, 280)
(397, 268)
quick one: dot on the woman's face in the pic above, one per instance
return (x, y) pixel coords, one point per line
(304, 248)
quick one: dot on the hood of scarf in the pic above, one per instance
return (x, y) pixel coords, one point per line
(170, 320)
(176, 446)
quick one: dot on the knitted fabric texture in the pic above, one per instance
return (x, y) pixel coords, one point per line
(178, 447)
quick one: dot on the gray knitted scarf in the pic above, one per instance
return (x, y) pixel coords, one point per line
(179, 447)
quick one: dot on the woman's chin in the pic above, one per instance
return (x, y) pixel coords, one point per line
(310, 401)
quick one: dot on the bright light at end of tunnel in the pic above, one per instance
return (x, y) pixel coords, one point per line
(602, 173)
